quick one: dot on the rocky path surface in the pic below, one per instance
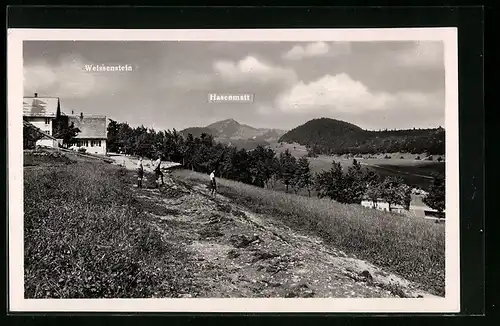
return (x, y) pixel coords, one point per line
(237, 253)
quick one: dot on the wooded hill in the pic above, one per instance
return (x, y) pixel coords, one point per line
(231, 132)
(330, 136)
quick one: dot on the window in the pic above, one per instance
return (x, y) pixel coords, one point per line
(47, 121)
(92, 143)
(99, 143)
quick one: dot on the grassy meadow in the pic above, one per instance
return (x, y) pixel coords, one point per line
(411, 247)
(85, 235)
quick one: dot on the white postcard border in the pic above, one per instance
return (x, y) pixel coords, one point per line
(17, 303)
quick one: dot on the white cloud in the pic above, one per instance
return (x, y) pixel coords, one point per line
(189, 80)
(66, 79)
(342, 94)
(251, 69)
(422, 53)
(317, 49)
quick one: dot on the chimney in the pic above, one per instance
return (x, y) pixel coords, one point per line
(58, 112)
(36, 94)
(81, 115)
(72, 112)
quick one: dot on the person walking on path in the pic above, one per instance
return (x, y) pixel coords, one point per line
(140, 173)
(157, 170)
(213, 184)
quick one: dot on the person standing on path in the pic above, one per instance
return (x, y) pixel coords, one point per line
(157, 169)
(213, 185)
(140, 173)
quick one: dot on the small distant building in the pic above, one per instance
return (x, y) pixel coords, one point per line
(93, 132)
(426, 212)
(417, 210)
(383, 206)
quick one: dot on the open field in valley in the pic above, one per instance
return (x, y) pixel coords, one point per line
(417, 173)
(90, 233)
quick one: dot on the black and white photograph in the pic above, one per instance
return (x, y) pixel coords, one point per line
(256, 170)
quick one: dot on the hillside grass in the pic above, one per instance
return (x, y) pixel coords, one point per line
(411, 247)
(85, 236)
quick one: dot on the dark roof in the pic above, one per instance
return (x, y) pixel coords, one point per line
(40, 106)
(93, 126)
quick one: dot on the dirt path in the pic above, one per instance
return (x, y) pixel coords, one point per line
(236, 253)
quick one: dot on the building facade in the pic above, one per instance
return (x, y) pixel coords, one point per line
(41, 112)
(44, 139)
(383, 206)
(93, 133)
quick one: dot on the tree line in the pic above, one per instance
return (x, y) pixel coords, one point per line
(261, 166)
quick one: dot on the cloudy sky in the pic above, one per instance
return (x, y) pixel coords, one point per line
(375, 85)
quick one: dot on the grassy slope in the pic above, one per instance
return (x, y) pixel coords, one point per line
(413, 248)
(85, 237)
(108, 234)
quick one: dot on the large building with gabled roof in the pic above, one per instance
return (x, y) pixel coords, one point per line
(42, 112)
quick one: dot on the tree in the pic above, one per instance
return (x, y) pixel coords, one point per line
(226, 168)
(288, 166)
(354, 184)
(389, 188)
(371, 177)
(303, 176)
(65, 132)
(313, 151)
(262, 165)
(395, 192)
(404, 192)
(241, 165)
(374, 192)
(436, 197)
(126, 139)
(188, 150)
(144, 143)
(331, 183)
(112, 142)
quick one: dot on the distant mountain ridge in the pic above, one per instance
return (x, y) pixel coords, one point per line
(331, 136)
(230, 131)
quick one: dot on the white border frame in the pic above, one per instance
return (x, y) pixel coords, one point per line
(449, 304)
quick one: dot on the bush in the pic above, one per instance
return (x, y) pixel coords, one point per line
(417, 158)
(387, 157)
(82, 150)
(440, 159)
